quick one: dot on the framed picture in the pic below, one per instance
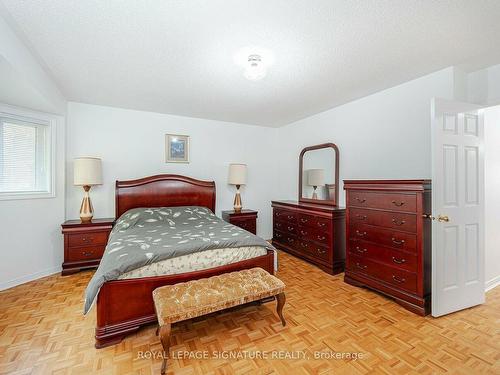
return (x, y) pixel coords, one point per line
(177, 148)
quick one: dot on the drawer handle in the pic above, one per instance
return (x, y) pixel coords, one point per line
(304, 244)
(291, 240)
(88, 239)
(398, 280)
(360, 250)
(86, 254)
(278, 225)
(321, 251)
(361, 234)
(290, 229)
(398, 204)
(303, 233)
(400, 222)
(278, 213)
(360, 200)
(321, 224)
(278, 235)
(361, 217)
(361, 266)
(321, 238)
(289, 217)
(398, 242)
(304, 220)
(398, 261)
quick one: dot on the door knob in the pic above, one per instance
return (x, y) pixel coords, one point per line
(440, 218)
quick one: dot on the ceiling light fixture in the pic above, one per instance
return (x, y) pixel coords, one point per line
(255, 68)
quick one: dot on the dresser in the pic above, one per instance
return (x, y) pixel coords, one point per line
(389, 239)
(84, 243)
(245, 219)
(313, 232)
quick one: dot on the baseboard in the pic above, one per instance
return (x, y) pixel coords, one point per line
(493, 283)
(27, 278)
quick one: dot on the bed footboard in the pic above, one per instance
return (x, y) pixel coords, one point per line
(123, 306)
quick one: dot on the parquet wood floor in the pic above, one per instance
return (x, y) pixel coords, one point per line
(42, 331)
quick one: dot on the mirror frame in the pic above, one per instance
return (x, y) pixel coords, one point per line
(327, 202)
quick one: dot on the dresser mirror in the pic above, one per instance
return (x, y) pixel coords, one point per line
(319, 174)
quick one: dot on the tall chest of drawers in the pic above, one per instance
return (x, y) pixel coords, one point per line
(315, 233)
(389, 239)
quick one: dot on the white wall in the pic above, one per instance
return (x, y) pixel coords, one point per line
(30, 234)
(43, 94)
(132, 145)
(492, 195)
(31, 243)
(384, 135)
(483, 86)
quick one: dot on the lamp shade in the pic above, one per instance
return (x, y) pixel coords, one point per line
(87, 171)
(316, 177)
(237, 174)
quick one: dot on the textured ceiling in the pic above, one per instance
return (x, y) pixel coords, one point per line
(178, 56)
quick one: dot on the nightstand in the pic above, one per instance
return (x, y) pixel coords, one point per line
(84, 243)
(246, 219)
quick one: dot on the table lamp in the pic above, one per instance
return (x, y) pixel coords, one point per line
(238, 177)
(87, 173)
(315, 178)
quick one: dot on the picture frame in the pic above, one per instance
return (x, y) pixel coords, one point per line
(176, 148)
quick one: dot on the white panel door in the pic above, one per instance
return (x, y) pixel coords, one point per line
(458, 206)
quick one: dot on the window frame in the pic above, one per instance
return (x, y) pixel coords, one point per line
(20, 115)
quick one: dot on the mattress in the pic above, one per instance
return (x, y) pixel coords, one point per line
(196, 262)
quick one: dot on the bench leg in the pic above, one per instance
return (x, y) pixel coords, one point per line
(165, 342)
(279, 307)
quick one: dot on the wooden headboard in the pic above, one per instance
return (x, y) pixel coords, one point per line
(165, 190)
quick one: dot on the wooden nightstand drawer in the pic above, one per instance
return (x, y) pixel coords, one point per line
(85, 253)
(84, 243)
(245, 219)
(86, 239)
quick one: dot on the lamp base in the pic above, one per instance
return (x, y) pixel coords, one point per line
(86, 209)
(237, 200)
(314, 195)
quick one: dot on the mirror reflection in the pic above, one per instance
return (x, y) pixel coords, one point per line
(318, 179)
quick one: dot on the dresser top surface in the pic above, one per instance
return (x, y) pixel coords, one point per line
(309, 206)
(397, 185)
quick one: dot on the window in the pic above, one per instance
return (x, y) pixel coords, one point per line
(25, 157)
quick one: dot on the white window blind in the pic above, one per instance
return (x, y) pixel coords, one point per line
(24, 157)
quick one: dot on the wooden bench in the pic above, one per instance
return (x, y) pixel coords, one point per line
(174, 303)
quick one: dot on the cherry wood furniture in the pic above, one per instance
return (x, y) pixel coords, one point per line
(389, 239)
(123, 306)
(246, 219)
(84, 243)
(312, 232)
(201, 297)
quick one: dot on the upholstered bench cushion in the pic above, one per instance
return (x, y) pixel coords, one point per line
(194, 298)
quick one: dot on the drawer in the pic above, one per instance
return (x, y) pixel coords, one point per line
(91, 238)
(314, 222)
(391, 257)
(285, 238)
(396, 220)
(85, 253)
(385, 237)
(286, 227)
(316, 250)
(313, 234)
(387, 201)
(247, 224)
(285, 215)
(390, 275)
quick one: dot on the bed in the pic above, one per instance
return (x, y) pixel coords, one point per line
(124, 305)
